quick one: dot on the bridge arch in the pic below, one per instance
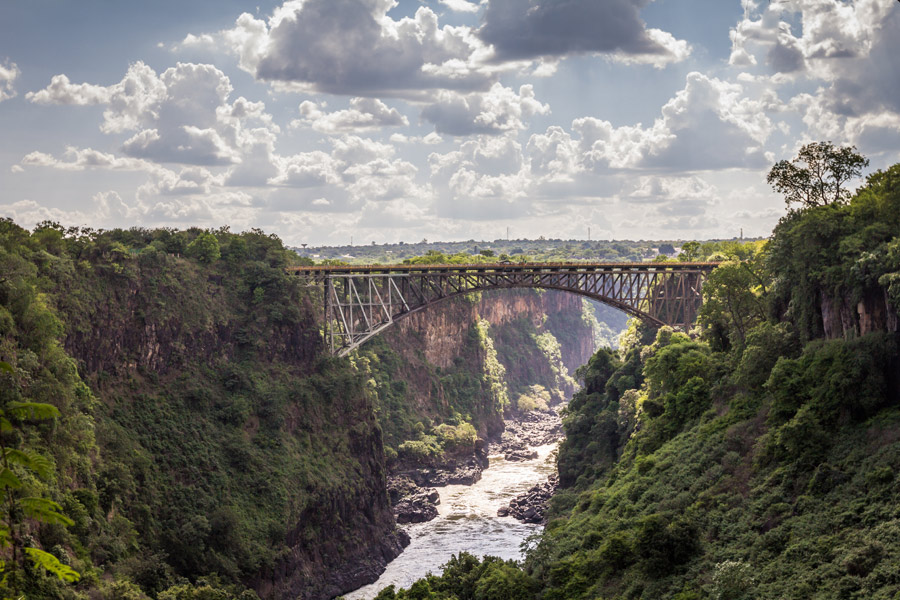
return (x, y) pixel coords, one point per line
(361, 302)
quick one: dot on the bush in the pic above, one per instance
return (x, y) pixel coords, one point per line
(662, 544)
(538, 399)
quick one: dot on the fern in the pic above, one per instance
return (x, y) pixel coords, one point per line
(42, 510)
(45, 511)
(35, 411)
(8, 479)
(51, 564)
(35, 461)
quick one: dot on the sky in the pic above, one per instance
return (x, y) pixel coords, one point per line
(402, 120)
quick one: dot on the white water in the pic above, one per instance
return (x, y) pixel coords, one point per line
(467, 522)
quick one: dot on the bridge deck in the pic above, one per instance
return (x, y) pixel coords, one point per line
(502, 267)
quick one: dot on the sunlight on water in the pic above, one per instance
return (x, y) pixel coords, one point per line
(467, 522)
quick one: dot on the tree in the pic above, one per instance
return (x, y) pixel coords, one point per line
(204, 248)
(732, 303)
(690, 251)
(817, 175)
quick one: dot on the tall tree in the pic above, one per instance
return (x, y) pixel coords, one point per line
(816, 177)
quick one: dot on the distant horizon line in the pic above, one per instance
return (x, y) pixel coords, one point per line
(516, 240)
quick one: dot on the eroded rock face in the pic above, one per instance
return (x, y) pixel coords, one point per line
(873, 312)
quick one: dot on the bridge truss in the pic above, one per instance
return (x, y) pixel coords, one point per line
(362, 301)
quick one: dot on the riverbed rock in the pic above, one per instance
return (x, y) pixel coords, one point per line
(399, 487)
(520, 455)
(531, 507)
(527, 430)
(418, 508)
(411, 503)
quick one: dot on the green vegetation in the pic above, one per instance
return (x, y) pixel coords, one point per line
(537, 398)
(186, 427)
(757, 460)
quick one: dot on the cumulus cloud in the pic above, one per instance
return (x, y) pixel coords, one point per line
(708, 125)
(9, 72)
(355, 48)
(673, 196)
(538, 28)
(80, 159)
(181, 115)
(847, 49)
(364, 114)
(63, 91)
(461, 5)
(356, 171)
(497, 111)
(483, 179)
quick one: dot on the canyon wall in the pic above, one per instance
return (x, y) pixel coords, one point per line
(470, 358)
(258, 457)
(844, 317)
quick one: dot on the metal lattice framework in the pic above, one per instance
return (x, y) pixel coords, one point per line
(362, 301)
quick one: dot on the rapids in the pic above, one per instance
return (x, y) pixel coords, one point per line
(467, 522)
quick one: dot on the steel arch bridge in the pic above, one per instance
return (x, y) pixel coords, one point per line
(362, 301)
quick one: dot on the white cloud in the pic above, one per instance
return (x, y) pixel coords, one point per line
(181, 115)
(673, 51)
(80, 159)
(355, 48)
(63, 91)
(357, 170)
(848, 49)
(673, 196)
(307, 169)
(554, 155)
(364, 114)
(9, 72)
(460, 5)
(707, 125)
(496, 111)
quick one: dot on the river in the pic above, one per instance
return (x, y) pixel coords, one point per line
(467, 521)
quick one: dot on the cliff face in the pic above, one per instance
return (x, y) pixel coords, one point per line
(260, 458)
(841, 317)
(472, 357)
(560, 313)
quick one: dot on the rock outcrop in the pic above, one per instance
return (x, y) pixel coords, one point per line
(842, 317)
(531, 507)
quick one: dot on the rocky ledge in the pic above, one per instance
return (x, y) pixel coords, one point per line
(531, 507)
(412, 493)
(411, 503)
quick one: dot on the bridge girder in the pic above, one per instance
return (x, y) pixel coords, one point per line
(360, 302)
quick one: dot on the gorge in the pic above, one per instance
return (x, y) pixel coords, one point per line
(201, 444)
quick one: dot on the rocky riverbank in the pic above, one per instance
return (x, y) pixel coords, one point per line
(531, 507)
(412, 489)
(528, 430)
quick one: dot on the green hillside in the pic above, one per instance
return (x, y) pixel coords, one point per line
(757, 461)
